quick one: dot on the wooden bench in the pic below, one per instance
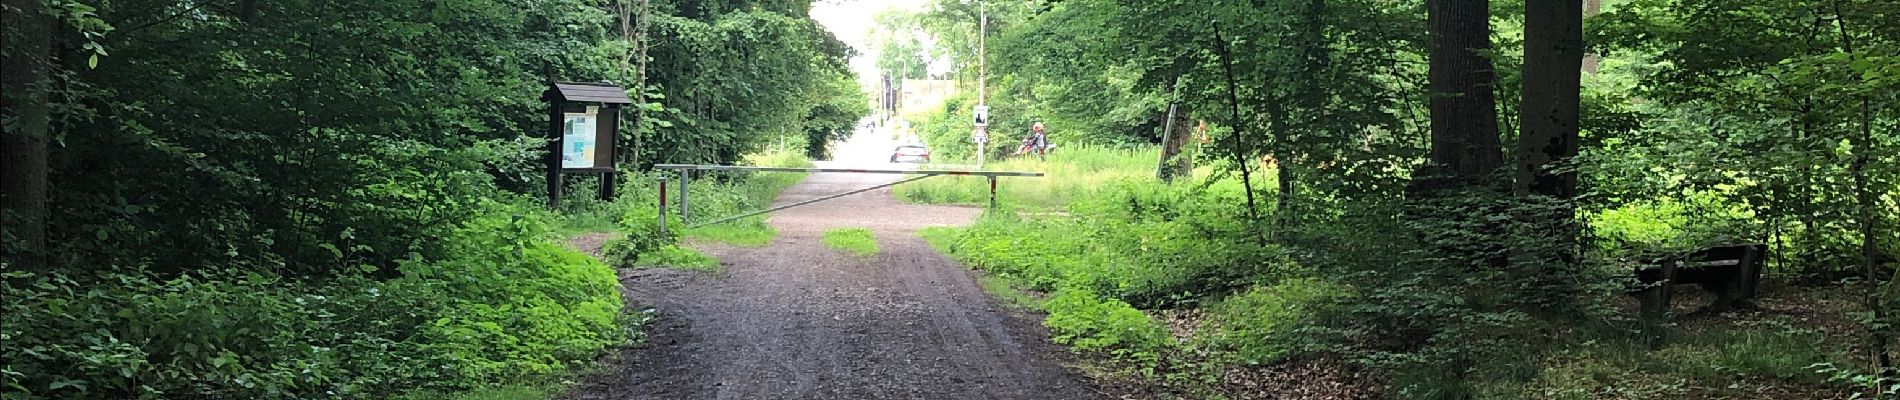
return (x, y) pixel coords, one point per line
(1730, 272)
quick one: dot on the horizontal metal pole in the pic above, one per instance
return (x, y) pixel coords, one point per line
(827, 197)
(849, 170)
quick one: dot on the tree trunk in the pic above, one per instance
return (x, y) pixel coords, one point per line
(1174, 137)
(1242, 149)
(27, 34)
(1547, 122)
(1878, 334)
(1590, 61)
(638, 35)
(1310, 97)
(1547, 139)
(1464, 123)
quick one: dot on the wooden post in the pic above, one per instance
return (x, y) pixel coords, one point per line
(1656, 305)
(609, 162)
(1751, 275)
(554, 148)
(607, 186)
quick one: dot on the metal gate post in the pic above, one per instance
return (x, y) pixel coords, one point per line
(686, 185)
(662, 206)
(992, 192)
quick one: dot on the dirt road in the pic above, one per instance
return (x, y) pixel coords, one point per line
(798, 320)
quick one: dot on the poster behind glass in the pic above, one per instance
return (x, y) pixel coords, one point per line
(578, 141)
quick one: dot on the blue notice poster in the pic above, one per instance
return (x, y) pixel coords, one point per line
(577, 142)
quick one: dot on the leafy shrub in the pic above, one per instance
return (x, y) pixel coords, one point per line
(710, 196)
(503, 306)
(641, 226)
(1084, 320)
(1258, 326)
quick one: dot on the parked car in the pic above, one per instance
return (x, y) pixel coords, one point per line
(911, 153)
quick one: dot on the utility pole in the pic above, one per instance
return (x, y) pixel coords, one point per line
(982, 79)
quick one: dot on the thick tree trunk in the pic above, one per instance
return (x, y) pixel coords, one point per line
(1464, 123)
(1547, 122)
(1548, 138)
(27, 35)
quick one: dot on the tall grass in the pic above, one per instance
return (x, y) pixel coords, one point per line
(1071, 173)
(711, 196)
(724, 195)
(1711, 362)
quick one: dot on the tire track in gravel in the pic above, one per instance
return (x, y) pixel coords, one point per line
(798, 320)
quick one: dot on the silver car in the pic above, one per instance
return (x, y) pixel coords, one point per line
(911, 153)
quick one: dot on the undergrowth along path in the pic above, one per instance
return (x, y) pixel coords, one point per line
(797, 320)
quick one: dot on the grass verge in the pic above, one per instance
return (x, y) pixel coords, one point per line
(1008, 294)
(679, 257)
(510, 392)
(857, 241)
(749, 232)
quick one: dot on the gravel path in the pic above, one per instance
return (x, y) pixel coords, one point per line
(798, 320)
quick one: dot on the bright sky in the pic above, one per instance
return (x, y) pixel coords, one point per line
(851, 21)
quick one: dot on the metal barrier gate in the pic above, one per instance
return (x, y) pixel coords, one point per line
(686, 179)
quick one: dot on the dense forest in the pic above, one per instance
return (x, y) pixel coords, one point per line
(1447, 195)
(1432, 199)
(318, 199)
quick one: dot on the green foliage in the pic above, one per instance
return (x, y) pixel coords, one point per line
(1616, 364)
(1707, 122)
(1775, 124)
(309, 199)
(1086, 321)
(857, 241)
(1149, 246)
(1131, 246)
(521, 392)
(1259, 326)
(840, 106)
(750, 232)
(506, 306)
(1069, 175)
(900, 52)
(1007, 293)
(642, 228)
(738, 76)
(710, 196)
(677, 257)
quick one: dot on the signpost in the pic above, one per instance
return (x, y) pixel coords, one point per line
(580, 135)
(981, 135)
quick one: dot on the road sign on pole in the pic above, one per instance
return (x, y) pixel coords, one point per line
(982, 116)
(982, 138)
